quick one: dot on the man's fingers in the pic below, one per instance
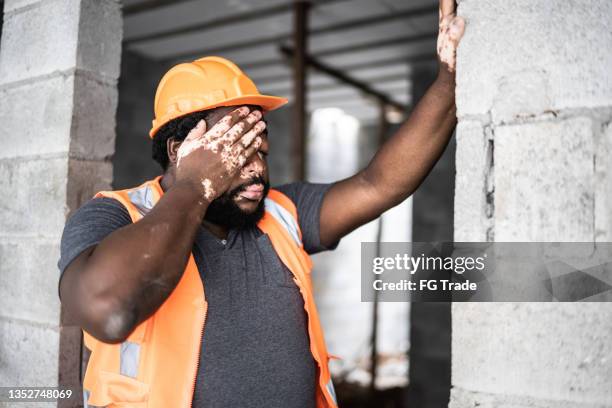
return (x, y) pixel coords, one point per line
(255, 131)
(447, 7)
(221, 127)
(241, 128)
(249, 151)
(197, 131)
(240, 153)
(457, 27)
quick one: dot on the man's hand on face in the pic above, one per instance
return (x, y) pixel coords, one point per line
(450, 31)
(209, 159)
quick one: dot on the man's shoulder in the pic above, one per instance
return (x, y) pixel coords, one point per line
(88, 226)
(99, 210)
(298, 191)
(102, 203)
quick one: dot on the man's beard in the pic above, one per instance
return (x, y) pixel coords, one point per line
(224, 211)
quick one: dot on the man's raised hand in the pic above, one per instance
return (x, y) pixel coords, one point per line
(450, 31)
(209, 159)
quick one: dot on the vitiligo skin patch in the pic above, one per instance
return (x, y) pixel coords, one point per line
(257, 168)
(209, 192)
(221, 139)
(450, 32)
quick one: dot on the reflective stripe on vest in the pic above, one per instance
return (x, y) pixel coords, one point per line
(142, 198)
(283, 216)
(331, 390)
(129, 357)
(156, 366)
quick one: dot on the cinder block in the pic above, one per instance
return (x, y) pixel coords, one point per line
(61, 35)
(603, 187)
(461, 398)
(39, 40)
(93, 120)
(34, 202)
(62, 113)
(12, 5)
(28, 280)
(548, 351)
(36, 117)
(509, 44)
(521, 95)
(545, 181)
(29, 354)
(470, 189)
(100, 34)
(85, 178)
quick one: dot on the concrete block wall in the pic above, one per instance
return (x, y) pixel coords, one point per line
(534, 98)
(59, 63)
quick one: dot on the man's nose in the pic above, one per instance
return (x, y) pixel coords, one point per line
(253, 167)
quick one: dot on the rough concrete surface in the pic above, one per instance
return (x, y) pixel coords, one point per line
(554, 351)
(36, 191)
(31, 37)
(59, 62)
(22, 341)
(30, 294)
(85, 178)
(469, 399)
(93, 121)
(470, 187)
(603, 190)
(557, 49)
(544, 181)
(534, 75)
(47, 105)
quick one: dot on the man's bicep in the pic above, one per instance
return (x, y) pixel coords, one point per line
(308, 198)
(70, 273)
(347, 205)
(88, 227)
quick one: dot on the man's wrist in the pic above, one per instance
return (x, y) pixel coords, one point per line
(446, 79)
(191, 196)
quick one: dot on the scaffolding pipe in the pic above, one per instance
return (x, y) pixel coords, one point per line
(300, 41)
(383, 129)
(341, 76)
(276, 39)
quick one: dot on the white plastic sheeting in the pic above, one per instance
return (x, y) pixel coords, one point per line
(333, 155)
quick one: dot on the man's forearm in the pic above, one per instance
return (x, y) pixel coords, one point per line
(133, 270)
(404, 161)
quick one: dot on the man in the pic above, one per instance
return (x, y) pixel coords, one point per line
(194, 288)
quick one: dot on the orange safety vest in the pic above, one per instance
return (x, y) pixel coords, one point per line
(156, 366)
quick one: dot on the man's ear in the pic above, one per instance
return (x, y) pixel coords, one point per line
(172, 146)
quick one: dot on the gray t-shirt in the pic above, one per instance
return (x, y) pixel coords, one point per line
(255, 349)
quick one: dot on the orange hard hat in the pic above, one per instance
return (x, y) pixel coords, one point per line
(206, 83)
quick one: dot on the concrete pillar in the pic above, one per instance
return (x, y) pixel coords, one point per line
(430, 323)
(59, 62)
(534, 98)
(132, 161)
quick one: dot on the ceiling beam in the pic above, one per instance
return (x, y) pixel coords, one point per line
(341, 76)
(278, 39)
(148, 6)
(235, 18)
(320, 87)
(410, 59)
(407, 40)
(430, 56)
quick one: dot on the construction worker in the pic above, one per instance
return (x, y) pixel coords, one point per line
(194, 288)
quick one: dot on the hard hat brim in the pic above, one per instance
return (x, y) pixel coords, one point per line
(267, 102)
